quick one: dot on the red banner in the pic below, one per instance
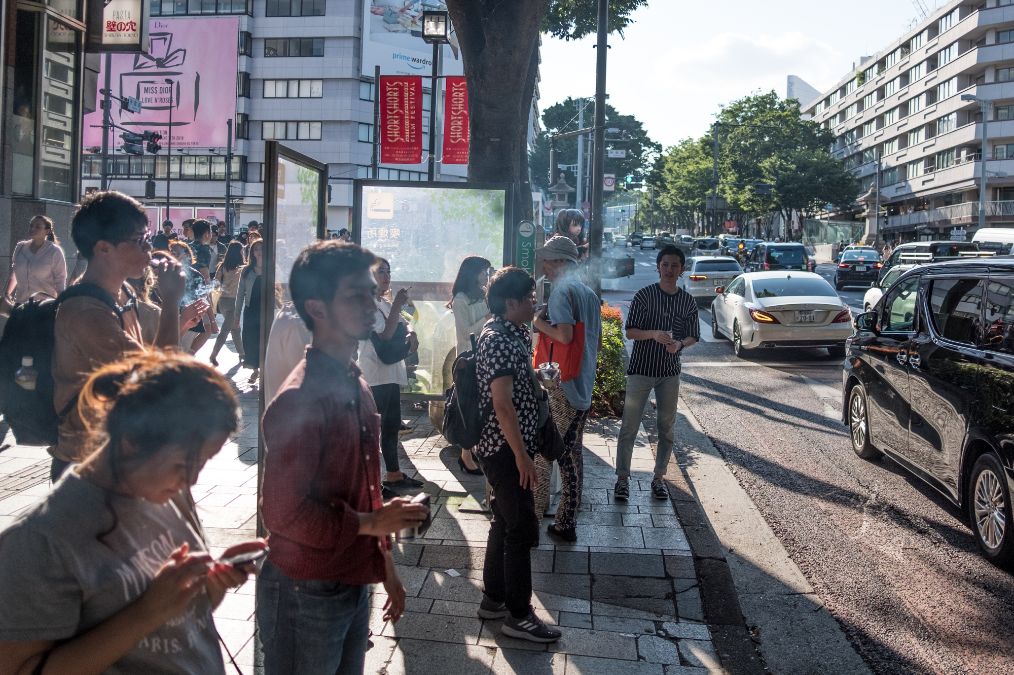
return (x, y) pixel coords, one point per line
(456, 131)
(401, 119)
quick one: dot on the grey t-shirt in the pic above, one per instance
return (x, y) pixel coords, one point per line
(57, 580)
(571, 302)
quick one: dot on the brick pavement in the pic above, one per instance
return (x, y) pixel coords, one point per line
(625, 593)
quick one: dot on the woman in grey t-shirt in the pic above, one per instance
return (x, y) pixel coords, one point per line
(106, 574)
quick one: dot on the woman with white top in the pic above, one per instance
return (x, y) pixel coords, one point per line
(228, 275)
(468, 302)
(387, 379)
(37, 264)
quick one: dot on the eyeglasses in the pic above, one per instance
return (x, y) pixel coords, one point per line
(141, 240)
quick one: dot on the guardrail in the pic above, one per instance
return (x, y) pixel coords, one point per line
(946, 214)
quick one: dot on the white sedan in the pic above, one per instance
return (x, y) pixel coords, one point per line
(876, 291)
(762, 310)
(701, 276)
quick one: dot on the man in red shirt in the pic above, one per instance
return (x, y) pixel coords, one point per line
(321, 496)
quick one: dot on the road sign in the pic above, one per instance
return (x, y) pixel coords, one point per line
(616, 154)
(609, 182)
(525, 246)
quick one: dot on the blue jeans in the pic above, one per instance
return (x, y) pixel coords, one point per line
(667, 390)
(311, 627)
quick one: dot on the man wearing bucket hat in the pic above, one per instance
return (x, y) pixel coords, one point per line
(569, 334)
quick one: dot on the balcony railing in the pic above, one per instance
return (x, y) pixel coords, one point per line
(949, 214)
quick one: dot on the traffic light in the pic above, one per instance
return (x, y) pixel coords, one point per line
(628, 179)
(151, 138)
(132, 143)
(149, 189)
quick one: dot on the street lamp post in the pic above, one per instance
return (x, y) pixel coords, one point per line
(435, 32)
(169, 149)
(984, 105)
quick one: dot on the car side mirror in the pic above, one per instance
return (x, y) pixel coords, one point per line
(867, 322)
(720, 290)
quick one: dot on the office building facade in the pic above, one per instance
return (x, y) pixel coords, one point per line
(912, 114)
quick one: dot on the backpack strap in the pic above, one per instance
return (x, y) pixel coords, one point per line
(89, 290)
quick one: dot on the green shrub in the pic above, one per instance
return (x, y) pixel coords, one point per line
(610, 374)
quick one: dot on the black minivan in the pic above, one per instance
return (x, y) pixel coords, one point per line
(929, 381)
(778, 256)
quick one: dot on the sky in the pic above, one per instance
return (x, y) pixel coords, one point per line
(681, 61)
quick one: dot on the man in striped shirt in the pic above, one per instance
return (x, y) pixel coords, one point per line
(662, 322)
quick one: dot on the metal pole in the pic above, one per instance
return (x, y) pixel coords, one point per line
(552, 161)
(106, 121)
(580, 154)
(432, 170)
(598, 158)
(375, 163)
(714, 177)
(228, 180)
(169, 150)
(876, 209)
(982, 164)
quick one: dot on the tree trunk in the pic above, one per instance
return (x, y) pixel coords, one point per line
(499, 48)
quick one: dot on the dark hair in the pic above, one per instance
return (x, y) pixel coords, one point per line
(167, 222)
(200, 228)
(188, 223)
(251, 266)
(669, 249)
(233, 256)
(50, 231)
(468, 277)
(568, 217)
(155, 399)
(509, 283)
(179, 243)
(106, 216)
(319, 269)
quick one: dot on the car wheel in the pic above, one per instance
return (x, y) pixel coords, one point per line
(737, 342)
(859, 424)
(836, 352)
(867, 307)
(838, 285)
(989, 509)
(714, 325)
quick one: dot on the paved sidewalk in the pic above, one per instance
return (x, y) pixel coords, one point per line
(626, 593)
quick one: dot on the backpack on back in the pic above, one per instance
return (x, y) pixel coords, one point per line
(31, 413)
(462, 417)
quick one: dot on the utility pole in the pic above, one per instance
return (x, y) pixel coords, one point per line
(580, 155)
(598, 150)
(876, 208)
(169, 149)
(228, 179)
(106, 121)
(432, 169)
(714, 178)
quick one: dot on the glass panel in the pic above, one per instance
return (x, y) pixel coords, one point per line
(1000, 316)
(316, 88)
(956, 305)
(315, 130)
(296, 215)
(59, 74)
(304, 88)
(218, 168)
(21, 129)
(899, 310)
(292, 88)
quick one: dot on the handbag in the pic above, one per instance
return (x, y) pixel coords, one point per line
(393, 349)
(568, 355)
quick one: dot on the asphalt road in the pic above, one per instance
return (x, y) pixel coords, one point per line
(893, 562)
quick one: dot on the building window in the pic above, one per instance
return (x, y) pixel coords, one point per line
(850, 86)
(291, 131)
(889, 176)
(869, 127)
(916, 136)
(365, 91)
(915, 104)
(1004, 112)
(242, 126)
(947, 123)
(890, 147)
(1004, 74)
(1003, 151)
(243, 84)
(891, 87)
(946, 89)
(869, 155)
(294, 8)
(947, 21)
(245, 43)
(870, 73)
(200, 7)
(947, 54)
(918, 40)
(365, 133)
(293, 88)
(891, 116)
(945, 159)
(916, 72)
(915, 169)
(869, 100)
(294, 47)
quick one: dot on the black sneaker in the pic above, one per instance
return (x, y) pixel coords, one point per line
(569, 535)
(658, 489)
(529, 628)
(490, 609)
(621, 492)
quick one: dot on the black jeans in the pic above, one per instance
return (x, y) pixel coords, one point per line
(513, 533)
(388, 400)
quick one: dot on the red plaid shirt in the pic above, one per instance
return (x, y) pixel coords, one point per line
(322, 468)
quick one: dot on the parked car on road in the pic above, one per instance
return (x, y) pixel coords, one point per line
(702, 276)
(647, 242)
(763, 310)
(855, 247)
(620, 240)
(999, 240)
(777, 256)
(705, 246)
(635, 238)
(929, 381)
(876, 291)
(933, 251)
(857, 267)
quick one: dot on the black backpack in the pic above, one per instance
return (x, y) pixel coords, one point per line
(462, 417)
(32, 415)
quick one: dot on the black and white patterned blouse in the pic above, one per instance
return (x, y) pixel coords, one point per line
(506, 349)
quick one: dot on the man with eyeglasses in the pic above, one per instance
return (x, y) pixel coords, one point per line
(110, 231)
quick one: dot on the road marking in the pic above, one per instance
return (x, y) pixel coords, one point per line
(706, 334)
(764, 364)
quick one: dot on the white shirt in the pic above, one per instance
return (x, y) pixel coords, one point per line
(287, 343)
(469, 317)
(44, 271)
(375, 371)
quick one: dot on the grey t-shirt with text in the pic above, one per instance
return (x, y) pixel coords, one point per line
(58, 580)
(571, 302)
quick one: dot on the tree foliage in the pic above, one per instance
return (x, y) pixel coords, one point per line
(574, 19)
(631, 136)
(769, 159)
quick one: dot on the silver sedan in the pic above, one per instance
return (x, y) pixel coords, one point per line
(702, 276)
(762, 310)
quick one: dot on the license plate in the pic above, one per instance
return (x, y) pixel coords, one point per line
(805, 317)
(860, 268)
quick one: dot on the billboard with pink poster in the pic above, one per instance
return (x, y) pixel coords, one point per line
(152, 212)
(213, 216)
(190, 69)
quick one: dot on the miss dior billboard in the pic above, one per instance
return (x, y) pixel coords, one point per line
(189, 68)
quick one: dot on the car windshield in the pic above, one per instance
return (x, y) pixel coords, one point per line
(892, 276)
(717, 266)
(953, 249)
(707, 244)
(789, 286)
(789, 255)
(870, 256)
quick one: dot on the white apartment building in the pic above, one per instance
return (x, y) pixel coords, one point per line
(906, 111)
(301, 80)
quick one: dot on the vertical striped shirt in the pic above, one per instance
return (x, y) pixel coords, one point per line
(654, 309)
